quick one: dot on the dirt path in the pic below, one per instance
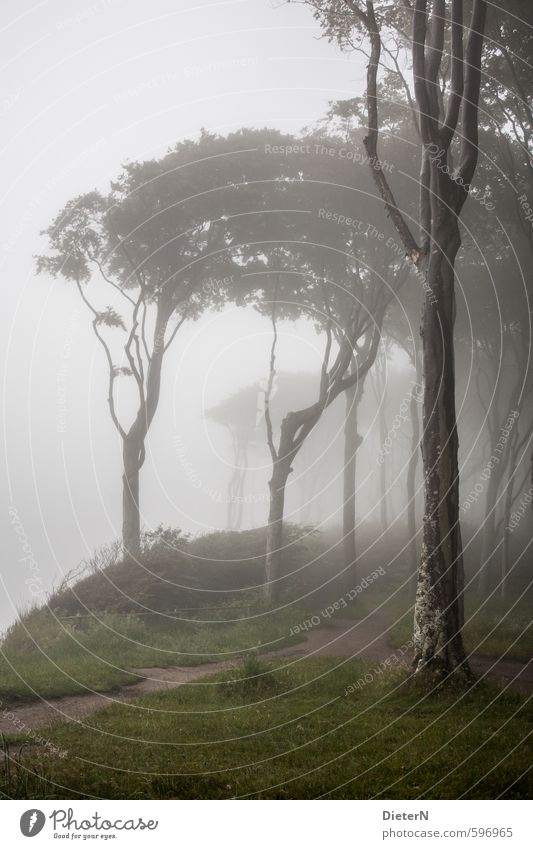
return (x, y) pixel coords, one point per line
(365, 639)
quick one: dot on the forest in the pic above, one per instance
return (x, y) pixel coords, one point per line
(317, 343)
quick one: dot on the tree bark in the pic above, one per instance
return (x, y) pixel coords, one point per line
(506, 542)
(516, 456)
(411, 479)
(352, 440)
(133, 450)
(274, 539)
(489, 543)
(439, 613)
(383, 511)
(438, 645)
(131, 521)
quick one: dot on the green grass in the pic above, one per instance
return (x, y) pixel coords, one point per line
(493, 629)
(291, 733)
(45, 656)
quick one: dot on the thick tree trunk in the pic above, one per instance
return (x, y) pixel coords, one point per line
(131, 521)
(274, 541)
(439, 612)
(438, 644)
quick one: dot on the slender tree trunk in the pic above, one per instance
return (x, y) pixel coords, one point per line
(229, 506)
(131, 522)
(438, 644)
(508, 454)
(411, 479)
(384, 516)
(383, 433)
(515, 448)
(348, 508)
(133, 442)
(243, 471)
(506, 546)
(352, 441)
(274, 541)
(489, 544)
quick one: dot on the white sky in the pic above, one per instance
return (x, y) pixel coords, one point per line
(85, 86)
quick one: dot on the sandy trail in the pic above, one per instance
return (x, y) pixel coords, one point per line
(365, 639)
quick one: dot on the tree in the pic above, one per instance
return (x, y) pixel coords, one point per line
(352, 313)
(352, 441)
(148, 245)
(169, 241)
(82, 239)
(332, 268)
(444, 188)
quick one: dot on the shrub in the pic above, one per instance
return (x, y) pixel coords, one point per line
(253, 680)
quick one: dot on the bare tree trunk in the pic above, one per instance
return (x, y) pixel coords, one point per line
(297, 425)
(274, 541)
(235, 491)
(380, 388)
(229, 505)
(131, 522)
(516, 456)
(438, 644)
(411, 479)
(506, 546)
(489, 543)
(348, 507)
(352, 440)
(507, 454)
(134, 439)
(233, 494)
(243, 471)
(383, 511)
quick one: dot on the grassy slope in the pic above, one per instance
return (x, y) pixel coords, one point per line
(46, 656)
(49, 657)
(294, 734)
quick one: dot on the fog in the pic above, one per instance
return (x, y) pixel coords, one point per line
(267, 405)
(85, 87)
(103, 88)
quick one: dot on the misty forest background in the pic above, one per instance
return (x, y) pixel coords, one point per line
(274, 378)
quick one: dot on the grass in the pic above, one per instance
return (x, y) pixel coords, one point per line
(494, 629)
(46, 656)
(260, 732)
(49, 656)
(62, 649)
